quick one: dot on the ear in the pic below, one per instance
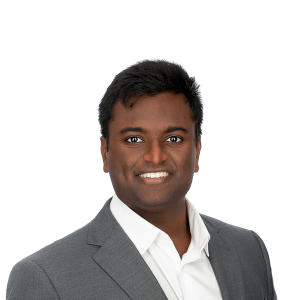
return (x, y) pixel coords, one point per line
(197, 155)
(104, 153)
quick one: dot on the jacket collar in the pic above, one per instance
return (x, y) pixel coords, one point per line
(102, 226)
(120, 258)
(225, 263)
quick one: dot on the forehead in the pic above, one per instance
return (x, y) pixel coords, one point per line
(152, 112)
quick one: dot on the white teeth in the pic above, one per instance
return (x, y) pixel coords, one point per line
(154, 175)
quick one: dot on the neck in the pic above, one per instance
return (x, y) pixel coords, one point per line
(173, 220)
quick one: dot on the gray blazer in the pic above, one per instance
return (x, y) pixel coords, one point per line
(99, 261)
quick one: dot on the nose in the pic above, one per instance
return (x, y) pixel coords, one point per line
(155, 153)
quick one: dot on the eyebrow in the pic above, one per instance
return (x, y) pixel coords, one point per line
(134, 129)
(141, 130)
(175, 128)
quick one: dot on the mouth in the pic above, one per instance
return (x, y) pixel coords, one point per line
(154, 177)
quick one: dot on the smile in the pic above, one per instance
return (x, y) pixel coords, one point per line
(154, 175)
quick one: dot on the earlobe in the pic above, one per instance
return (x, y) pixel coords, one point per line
(104, 154)
(198, 149)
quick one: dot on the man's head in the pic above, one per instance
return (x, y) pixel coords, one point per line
(149, 78)
(153, 128)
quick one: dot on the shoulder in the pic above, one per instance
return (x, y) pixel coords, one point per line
(247, 244)
(220, 225)
(227, 230)
(62, 248)
(28, 281)
(243, 240)
(248, 247)
(71, 247)
(46, 267)
(49, 272)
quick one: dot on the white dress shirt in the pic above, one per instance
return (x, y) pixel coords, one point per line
(189, 278)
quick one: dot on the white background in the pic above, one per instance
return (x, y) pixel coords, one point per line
(57, 59)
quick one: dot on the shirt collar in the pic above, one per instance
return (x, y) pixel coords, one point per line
(142, 233)
(199, 232)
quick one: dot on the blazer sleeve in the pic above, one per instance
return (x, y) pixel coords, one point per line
(272, 294)
(28, 281)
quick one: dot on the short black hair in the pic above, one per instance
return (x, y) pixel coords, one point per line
(149, 78)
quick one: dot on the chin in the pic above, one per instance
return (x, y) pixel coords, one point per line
(154, 200)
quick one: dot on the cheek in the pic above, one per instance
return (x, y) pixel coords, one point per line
(186, 162)
(119, 164)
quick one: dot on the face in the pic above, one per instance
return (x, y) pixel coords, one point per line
(153, 152)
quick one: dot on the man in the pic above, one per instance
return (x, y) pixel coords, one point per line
(148, 241)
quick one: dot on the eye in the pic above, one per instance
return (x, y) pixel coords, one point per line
(174, 139)
(134, 139)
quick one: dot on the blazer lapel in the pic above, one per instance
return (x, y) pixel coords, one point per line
(120, 259)
(226, 265)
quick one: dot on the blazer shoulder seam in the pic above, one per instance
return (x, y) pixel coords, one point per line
(46, 276)
(258, 241)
